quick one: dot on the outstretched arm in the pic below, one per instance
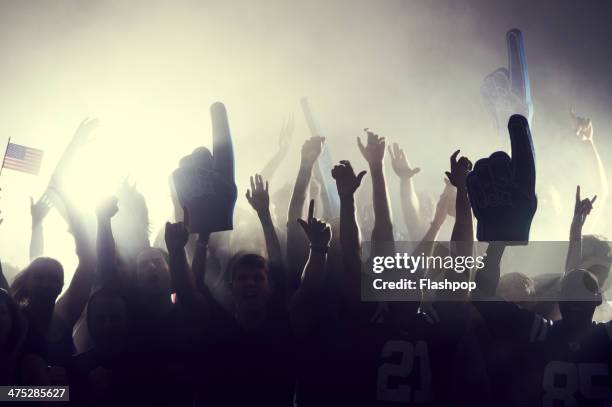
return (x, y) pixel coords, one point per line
(462, 237)
(374, 152)
(296, 243)
(411, 209)
(284, 141)
(177, 235)
(582, 209)
(82, 137)
(347, 183)
(70, 305)
(179, 214)
(259, 199)
(305, 302)
(200, 258)
(584, 131)
(39, 211)
(108, 274)
(487, 279)
(463, 230)
(57, 184)
(426, 245)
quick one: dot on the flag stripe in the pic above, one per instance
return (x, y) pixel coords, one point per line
(37, 160)
(28, 170)
(20, 164)
(22, 158)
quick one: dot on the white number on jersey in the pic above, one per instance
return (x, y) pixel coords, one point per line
(563, 379)
(404, 393)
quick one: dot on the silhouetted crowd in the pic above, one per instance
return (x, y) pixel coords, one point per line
(238, 317)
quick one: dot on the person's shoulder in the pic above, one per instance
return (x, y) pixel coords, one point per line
(604, 329)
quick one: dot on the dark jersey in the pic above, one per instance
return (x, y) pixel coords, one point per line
(370, 361)
(546, 366)
(240, 368)
(158, 343)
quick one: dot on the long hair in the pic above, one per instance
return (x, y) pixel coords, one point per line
(19, 286)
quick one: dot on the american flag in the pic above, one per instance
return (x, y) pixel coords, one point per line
(21, 158)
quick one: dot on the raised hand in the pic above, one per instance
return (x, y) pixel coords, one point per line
(583, 127)
(317, 231)
(311, 149)
(582, 208)
(258, 196)
(346, 180)
(459, 170)
(40, 209)
(177, 234)
(502, 189)
(400, 164)
(374, 150)
(107, 208)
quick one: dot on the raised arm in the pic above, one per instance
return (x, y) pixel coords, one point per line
(57, 187)
(347, 183)
(284, 141)
(487, 278)
(259, 199)
(306, 302)
(82, 136)
(584, 131)
(71, 304)
(199, 264)
(177, 235)
(374, 153)
(582, 209)
(296, 243)
(178, 214)
(462, 230)
(107, 272)
(38, 211)
(426, 244)
(411, 209)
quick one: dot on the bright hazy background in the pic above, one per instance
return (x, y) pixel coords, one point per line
(410, 70)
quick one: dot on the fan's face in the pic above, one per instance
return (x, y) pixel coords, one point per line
(251, 287)
(108, 322)
(152, 273)
(45, 283)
